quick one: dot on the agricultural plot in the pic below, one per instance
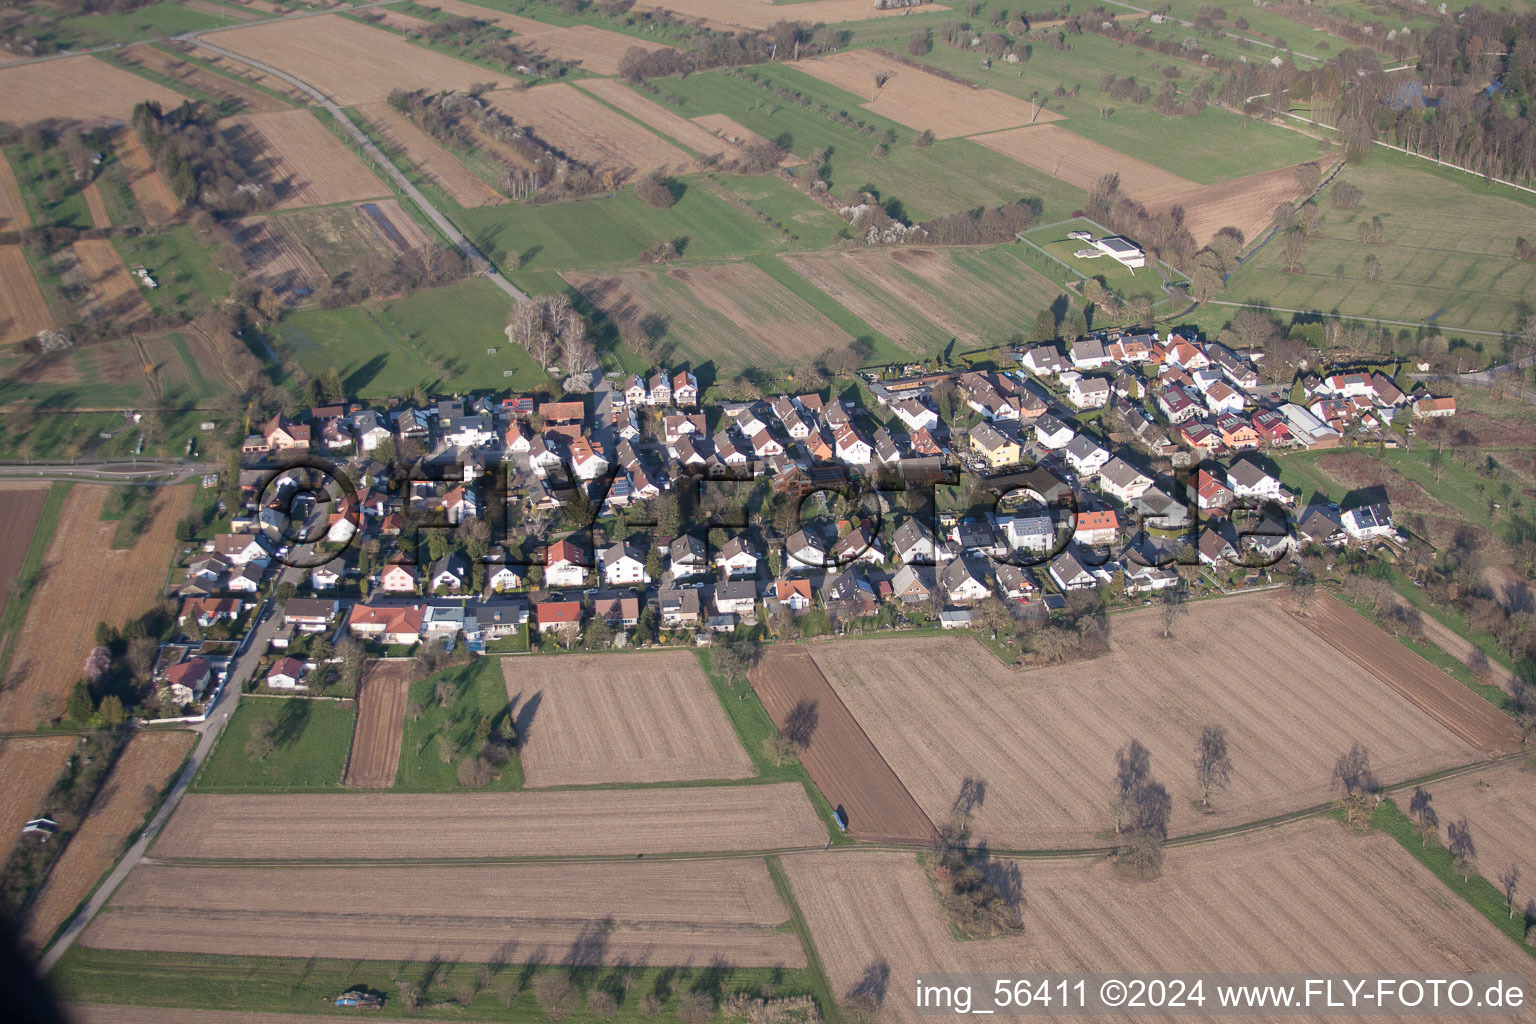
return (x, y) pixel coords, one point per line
(383, 826)
(1078, 161)
(13, 209)
(510, 22)
(920, 99)
(154, 198)
(304, 163)
(1447, 257)
(308, 747)
(589, 132)
(755, 14)
(461, 184)
(594, 49)
(133, 787)
(23, 310)
(845, 766)
(656, 913)
(273, 260)
(111, 292)
(731, 315)
(621, 718)
(909, 294)
(375, 756)
(29, 765)
(94, 203)
(1044, 741)
(76, 89)
(1500, 807)
(21, 505)
(679, 129)
(1322, 892)
(199, 79)
(1246, 203)
(733, 134)
(236, 69)
(351, 62)
(46, 661)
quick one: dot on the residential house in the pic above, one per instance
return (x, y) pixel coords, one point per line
(914, 542)
(738, 557)
(617, 609)
(964, 580)
(285, 675)
(470, 431)
(736, 597)
(1221, 397)
(1248, 480)
(205, 611)
(369, 429)
(996, 447)
(1177, 405)
(1089, 393)
(1069, 573)
(461, 504)
(387, 624)
(502, 577)
(1051, 433)
(192, 675)
(1200, 437)
(1097, 528)
(1210, 491)
(1320, 525)
(914, 584)
(1272, 427)
(557, 614)
(1236, 432)
(495, 619)
(688, 555)
(238, 549)
(1434, 408)
(281, 434)
(851, 447)
(567, 420)
(309, 614)
(1044, 360)
(793, 594)
(858, 545)
(398, 579)
(1088, 354)
(675, 425)
(623, 565)
(1035, 534)
(451, 573)
(685, 389)
(587, 461)
(1084, 455)
(679, 607)
(806, 550)
(634, 390)
(565, 565)
(1016, 583)
(1218, 545)
(915, 414)
(1368, 522)
(1144, 579)
(1121, 480)
(659, 389)
(244, 580)
(849, 595)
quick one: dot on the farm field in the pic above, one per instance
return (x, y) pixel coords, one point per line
(235, 93)
(190, 274)
(1323, 891)
(696, 137)
(1500, 806)
(461, 184)
(375, 755)
(1448, 257)
(93, 202)
(23, 311)
(922, 100)
(310, 740)
(1044, 741)
(846, 767)
(590, 132)
(754, 14)
(594, 49)
(45, 661)
(510, 22)
(908, 293)
(150, 192)
(75, 89)
(1246, 203)
(351, 62)
(13, 209)
(305, 164)
(1063, 154)
(383, 826)
(651, 912)
(274, 260)
(141, 772)
(113, 292)
(621, 718)
(730, 315)
(292, 93)
(728, 131)
(21, 505)
(477, 706)
(29, 766)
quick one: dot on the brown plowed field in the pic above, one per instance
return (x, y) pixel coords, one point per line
(47, 659)
(1246, 203)
(250, 74)
(842, 761)
(589, 132)
(943, 709)
(756, 14)
(154, 196)
(921, 100)
(1079, 161)
(1308, 897)
(253, 101)
(1438, 695)
(510, 22)
(23, 311)
(595, 49)
(306, 164)
(621, 718)
(97, 208)
(1500, 805)
(21, 503)
(132, 788)
(731, 313)
(276, 260)
(395, 20)
(393, 228)
(29, 766)
(351, 62)
(375, 757)
(114, 291)
(373, 826)
(675, 912)
(76, 89)
(462, 185)
(676, 127)
(13, 209)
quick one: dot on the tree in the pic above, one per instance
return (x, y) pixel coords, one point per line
(1213, 765)
(1352, 774)
(261, 743)
(602, 1004)
(781, 749)
(653, 192)
(1463, 850)
(1045, 326)
(80, 707)
(696, 1008)
(1173, 607)
(1509, 881)
(111, 710)
(1133, 762)
(1421, 810)
(554, 993)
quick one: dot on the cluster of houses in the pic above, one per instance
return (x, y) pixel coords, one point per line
(1101, 415)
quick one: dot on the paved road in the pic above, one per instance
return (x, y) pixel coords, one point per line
(208, 735)
(148, 472)
(453, 234)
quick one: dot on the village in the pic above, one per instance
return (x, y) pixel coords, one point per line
(1135, 465)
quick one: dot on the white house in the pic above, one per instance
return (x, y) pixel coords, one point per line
(1044, 360)
(624, 565)
(504, 577)
(1221, 397)
(1121, 480)
(737, 557)
(915, 414)
(565, 565)
(469, 431)
(1084, 455)
(851, 448)
(238, 548)
(1030, 533)
(1051, 432)
(1089, 393)
(1071, 574)
(1368, 521)
(1247, 480)
(1088, 354)
(914, 542)
(963, 581)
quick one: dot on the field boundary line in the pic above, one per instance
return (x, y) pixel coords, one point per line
(830, 1011)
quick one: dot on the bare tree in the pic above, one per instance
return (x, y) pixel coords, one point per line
(781, 749)
(1463, 850)
(1213, 766)
(1509, 881)
(1352, 774)
(1173, 607)
(1421, 809)
(1133, 762)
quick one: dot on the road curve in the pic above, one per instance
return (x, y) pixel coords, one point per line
(453, 234)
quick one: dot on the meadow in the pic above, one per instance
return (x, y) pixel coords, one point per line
(479, 695)
(155, 20)
(1448, 257)
(310, 747)
(185, 270)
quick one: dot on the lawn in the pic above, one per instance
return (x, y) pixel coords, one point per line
(311, 740)
(479, 696)
(150, 22)
(1117, 277)
(438, 338)
(307, 986)
(1448, 258)
(950, 175)
(613, 230)
(812, 225)
(183, 268)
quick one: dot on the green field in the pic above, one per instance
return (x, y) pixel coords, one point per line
(1448, 259)
(950, 175)
(48, 187)
(1117, 277)
(998, 295)
(437, 338)
(312, 738)
(479, 696)
(154, 21)
(183, 267)
(812, 225)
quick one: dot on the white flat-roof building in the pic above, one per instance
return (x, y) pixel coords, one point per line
(1116, 248)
